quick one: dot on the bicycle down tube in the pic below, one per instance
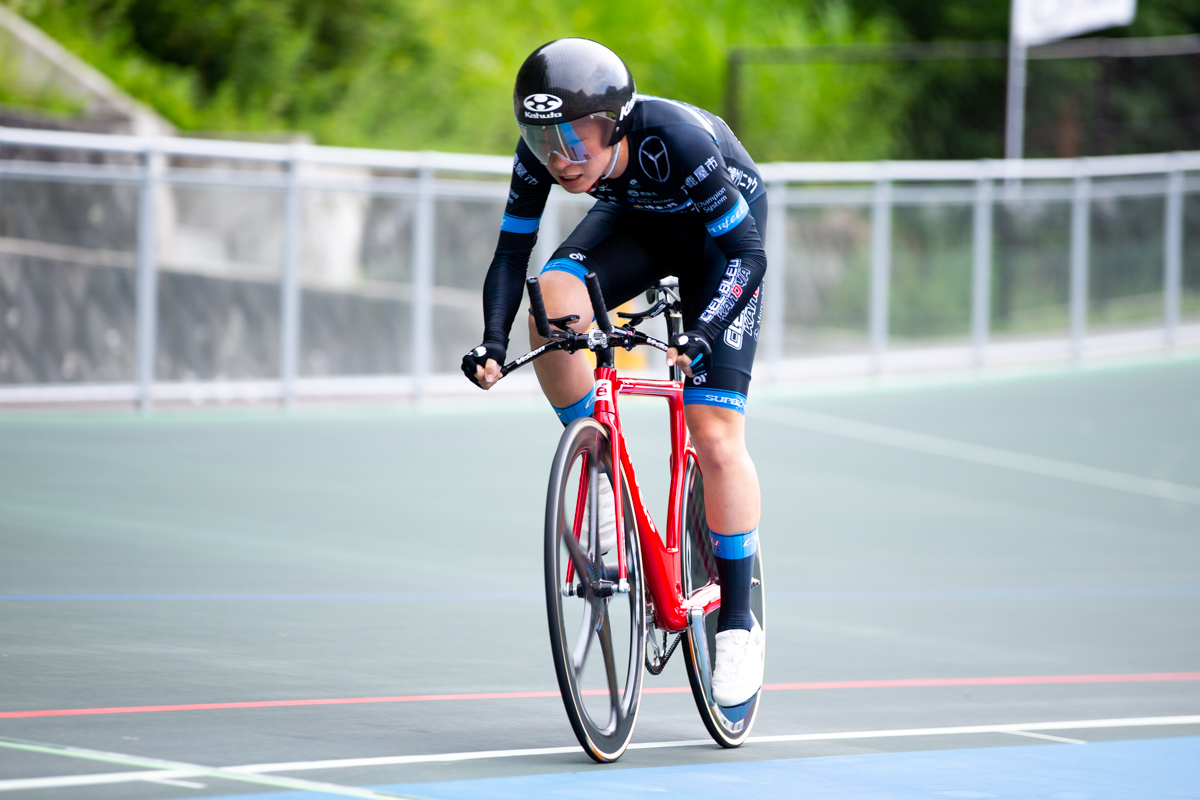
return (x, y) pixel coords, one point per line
(661, 562)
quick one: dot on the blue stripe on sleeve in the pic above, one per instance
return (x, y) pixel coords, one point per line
(730, 221)
(566, 265)
(734, 546)
(699, 396)
(519, 224)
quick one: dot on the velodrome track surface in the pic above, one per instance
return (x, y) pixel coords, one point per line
(964, 580)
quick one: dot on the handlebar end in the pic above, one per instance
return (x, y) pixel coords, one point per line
(597, 297)
(537, 307)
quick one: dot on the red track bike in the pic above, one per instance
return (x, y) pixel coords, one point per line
(612, 614)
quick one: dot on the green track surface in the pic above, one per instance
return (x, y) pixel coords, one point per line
(449, 500)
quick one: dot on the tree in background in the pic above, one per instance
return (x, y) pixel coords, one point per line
(437, 74)
(419, 74)
(1074, 107)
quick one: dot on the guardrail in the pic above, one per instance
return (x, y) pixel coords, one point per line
(987, 182)
(880, 187)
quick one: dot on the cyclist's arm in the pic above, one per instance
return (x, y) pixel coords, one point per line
(505, 282)
(726, 216)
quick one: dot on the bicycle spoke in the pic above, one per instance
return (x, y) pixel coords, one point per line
(583, 566)
(583, 643)
(604, 634)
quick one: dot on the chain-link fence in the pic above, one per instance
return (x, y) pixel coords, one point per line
(143, 269)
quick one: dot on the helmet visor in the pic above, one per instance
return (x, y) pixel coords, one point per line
(576, 141)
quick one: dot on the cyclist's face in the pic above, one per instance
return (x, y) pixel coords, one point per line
(577, 178)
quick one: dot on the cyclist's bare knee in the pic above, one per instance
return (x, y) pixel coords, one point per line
(564, 295)
(718, 434)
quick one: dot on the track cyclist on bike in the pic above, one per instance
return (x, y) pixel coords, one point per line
(677, 194)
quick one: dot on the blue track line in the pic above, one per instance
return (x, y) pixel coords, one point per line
(1139, 769)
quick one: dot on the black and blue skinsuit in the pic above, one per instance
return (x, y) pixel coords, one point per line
(690, 203)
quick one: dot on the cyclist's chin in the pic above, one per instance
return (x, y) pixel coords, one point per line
(575, 184)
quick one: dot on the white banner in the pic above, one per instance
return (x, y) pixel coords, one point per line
(1038, 21)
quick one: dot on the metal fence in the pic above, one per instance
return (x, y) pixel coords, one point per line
(136, 269)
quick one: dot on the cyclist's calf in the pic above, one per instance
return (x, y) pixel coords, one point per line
(731, 501)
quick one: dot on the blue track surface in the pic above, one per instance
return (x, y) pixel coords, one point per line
(1154, 769)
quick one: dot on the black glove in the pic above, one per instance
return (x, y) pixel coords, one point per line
(479, 357)
(695, 346)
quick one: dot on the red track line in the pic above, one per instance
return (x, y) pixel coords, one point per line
(1020, 680)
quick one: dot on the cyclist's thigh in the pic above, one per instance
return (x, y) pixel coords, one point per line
(628, 250)
(725, 381)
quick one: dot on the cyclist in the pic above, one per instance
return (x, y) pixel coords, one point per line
(677, 194)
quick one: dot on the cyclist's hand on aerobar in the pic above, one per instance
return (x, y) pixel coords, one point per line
(686, 349)
(482, 365)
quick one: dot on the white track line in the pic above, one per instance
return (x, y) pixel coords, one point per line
(66, 781)
(1065, 725)
(1047, 736)
(159, 769)
(172, 770)
(976, 453)
(176, 782)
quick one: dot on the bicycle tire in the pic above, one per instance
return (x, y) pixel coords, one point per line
(729, 727)
(615, 623)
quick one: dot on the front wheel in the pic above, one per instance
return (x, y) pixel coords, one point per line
(597, 626)
(728, 726)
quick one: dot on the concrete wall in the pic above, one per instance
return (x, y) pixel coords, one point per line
(37, 64)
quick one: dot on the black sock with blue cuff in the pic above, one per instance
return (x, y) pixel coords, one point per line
(735, 570)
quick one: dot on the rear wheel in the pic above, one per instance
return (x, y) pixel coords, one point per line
(728, 726)
(597, 627)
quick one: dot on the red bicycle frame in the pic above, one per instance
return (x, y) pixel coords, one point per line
(662, 563)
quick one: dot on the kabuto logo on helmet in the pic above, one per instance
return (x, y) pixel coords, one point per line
(542, 106)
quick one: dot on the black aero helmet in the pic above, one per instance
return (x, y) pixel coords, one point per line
(572, 81)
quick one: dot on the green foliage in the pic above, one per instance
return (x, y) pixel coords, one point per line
(437, 74)
(955, 109)
(421, 74)
(45, 100)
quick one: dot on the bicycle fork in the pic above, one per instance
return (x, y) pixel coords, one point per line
(604, 412)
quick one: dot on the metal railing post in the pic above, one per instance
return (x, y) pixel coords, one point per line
(1014, 118)
(1080, 234)
(881, 258)
(775, 289)
(422, 297)
(981, 271)
(146, 298)
(1173, 257)
(289, 327)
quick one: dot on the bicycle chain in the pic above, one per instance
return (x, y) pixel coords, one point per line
(662, 664)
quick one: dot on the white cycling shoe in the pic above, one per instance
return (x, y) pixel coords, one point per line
(608, 516)
(738, 668)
